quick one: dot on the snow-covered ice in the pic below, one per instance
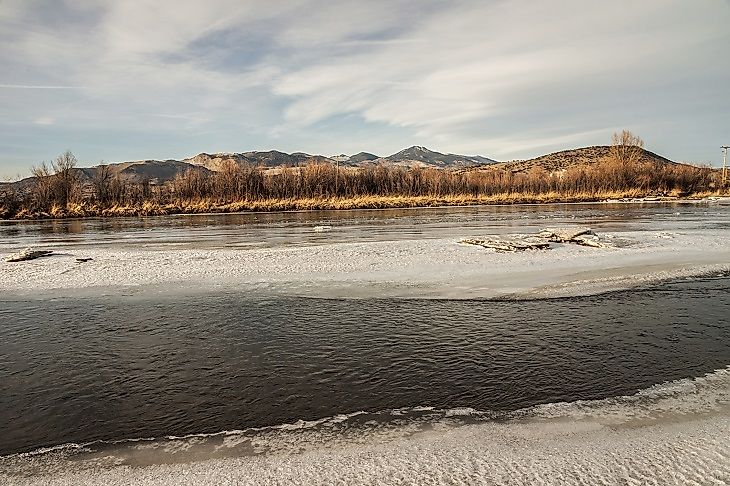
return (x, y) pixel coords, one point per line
(435, 268)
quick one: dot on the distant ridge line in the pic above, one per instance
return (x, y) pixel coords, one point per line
(161, 171)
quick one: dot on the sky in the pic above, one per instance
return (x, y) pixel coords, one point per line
(154, 79)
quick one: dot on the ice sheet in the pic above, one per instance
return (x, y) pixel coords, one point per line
(435, 268)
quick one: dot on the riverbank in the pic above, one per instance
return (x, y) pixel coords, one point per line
(199, 206)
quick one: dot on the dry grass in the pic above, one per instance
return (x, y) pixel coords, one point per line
(199, 206)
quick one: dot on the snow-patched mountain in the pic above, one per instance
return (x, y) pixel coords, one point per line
(161, 171)
(270, 158)
(421, 156)
(412, 156)
(415, 156)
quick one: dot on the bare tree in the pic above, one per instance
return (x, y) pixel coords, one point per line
(102, 184)
(119, 190)
(66, 177)
(9, 201)
(227, 181)
(626, 147)
(191, 184)
(43, 186)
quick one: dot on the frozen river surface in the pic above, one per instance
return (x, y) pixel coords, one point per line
(390, 253)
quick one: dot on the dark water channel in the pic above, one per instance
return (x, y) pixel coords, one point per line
(81, 369)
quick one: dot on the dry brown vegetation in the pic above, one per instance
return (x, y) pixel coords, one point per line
(239, 187)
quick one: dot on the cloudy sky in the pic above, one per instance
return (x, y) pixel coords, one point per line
(123, 80)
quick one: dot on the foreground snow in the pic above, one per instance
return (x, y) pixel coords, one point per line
(409, 268)
(671, 434)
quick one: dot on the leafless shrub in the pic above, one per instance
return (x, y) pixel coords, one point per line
(10, 202)
(102, 182)
(65, 179)
(43, 187)
(191, 184)
(626, 147)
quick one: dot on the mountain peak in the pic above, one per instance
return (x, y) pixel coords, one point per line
(424, 157)
(417, 149)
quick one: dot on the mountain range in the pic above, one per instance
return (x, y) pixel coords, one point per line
(162, 171)
(412, 156)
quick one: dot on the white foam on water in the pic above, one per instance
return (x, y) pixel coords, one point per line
(672, 433)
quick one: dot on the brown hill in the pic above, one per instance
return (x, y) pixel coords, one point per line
(564, 159)
(268, 159)
(159, 171)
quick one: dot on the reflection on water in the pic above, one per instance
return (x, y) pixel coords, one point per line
(62, 227)
(316, 227)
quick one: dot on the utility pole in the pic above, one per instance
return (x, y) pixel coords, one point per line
(724, 165)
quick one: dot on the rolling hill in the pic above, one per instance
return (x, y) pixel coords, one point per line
(565, 159)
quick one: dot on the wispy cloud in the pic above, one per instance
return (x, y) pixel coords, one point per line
(31, 86)
(171, 77)
(45, 120)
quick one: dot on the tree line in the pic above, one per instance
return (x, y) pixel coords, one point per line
(59, 190)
